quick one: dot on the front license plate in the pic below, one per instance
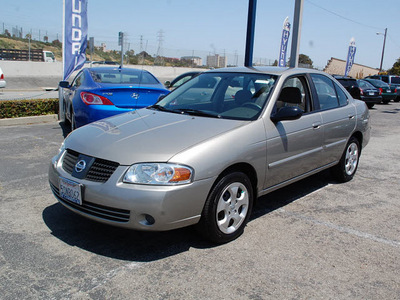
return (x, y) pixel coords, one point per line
(71, 190)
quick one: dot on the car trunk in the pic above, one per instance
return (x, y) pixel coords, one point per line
(132, 97)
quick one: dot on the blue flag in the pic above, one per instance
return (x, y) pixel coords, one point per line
(350, 56)
(75, 36)
(284, 43)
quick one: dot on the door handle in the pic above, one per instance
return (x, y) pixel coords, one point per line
(316, 125)
(351, 117)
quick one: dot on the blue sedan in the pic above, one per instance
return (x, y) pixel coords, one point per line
(101, 92)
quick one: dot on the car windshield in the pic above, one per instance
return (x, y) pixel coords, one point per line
(365, 84)
(348, 83)
(378, 83)
(239, 96)
(122, 76)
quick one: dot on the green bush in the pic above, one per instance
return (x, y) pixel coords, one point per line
(26, 108)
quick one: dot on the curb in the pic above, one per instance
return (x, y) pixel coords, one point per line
(29, 120)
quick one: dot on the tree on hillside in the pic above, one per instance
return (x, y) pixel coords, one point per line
(305, 60)
(56, 43)
(395, 70)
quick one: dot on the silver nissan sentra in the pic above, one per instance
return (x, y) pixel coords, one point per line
(203, 153)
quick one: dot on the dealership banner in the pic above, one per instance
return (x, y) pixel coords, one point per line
(284, 43)
(74, 35)
(350, 56)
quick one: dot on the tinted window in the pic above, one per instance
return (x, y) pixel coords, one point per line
(341, 95)
(348, 83)
(326, 91)
(122, 76)
(395, 79)
(385, 79)
(365, 84)
(378, 83)
(181, 81)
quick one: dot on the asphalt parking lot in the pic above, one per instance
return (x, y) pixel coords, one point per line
(315, 239)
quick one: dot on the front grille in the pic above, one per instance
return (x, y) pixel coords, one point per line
(100, 171)
(96, 210)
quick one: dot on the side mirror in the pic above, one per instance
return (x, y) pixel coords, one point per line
(161, 97)
(287, 113)
(64, 84)
(167, 84)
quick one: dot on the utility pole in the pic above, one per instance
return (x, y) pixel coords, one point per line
(121, 43)
(297, 22)
(383, 49)
(160, 37)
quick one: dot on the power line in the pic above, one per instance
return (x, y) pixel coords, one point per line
(392, 40)
(342, 17)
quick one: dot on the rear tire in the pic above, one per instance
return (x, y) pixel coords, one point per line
(346, 168)
(370, 105)
(227, 209)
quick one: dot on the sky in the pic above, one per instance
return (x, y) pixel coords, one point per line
(177, 28)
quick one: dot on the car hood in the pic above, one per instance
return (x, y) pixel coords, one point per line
(145, 135)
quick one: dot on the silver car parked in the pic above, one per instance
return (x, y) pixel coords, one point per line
(206, 151)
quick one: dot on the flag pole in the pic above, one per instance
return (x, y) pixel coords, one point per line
(61, 113)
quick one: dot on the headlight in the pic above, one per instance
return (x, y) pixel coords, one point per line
(62, 148)
(59, 154)
(158, 174)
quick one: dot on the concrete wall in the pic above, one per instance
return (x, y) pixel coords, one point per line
(337, 66)
(39, 75)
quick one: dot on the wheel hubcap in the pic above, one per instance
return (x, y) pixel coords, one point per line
(232, 207)
(351, 159)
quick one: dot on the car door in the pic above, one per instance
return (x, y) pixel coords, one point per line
(70, 93)
(293, 147)
(338, 117)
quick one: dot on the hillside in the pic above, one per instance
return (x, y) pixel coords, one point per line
(23, 44)
(55, 46)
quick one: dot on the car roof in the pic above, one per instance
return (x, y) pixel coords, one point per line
(114, 68)
(267, 70)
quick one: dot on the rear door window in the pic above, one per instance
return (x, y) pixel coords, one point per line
(326, 92)
(341, 95)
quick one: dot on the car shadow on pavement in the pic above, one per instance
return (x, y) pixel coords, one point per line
(116, 242)
(140, 246)
(66, 128)
(284, 196)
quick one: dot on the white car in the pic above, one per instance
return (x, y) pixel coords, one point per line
(2, 81)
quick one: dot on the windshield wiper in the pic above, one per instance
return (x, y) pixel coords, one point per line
(162, 108)
(196, 112)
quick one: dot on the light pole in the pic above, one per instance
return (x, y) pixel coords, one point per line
(383, 49)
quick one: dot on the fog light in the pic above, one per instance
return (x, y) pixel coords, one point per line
(149, 219)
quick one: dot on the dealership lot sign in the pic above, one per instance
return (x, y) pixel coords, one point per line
(75, 36)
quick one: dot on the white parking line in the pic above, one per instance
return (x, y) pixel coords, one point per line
(341, 228)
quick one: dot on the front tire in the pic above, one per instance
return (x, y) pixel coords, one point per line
(227, 208)
(346, 168)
